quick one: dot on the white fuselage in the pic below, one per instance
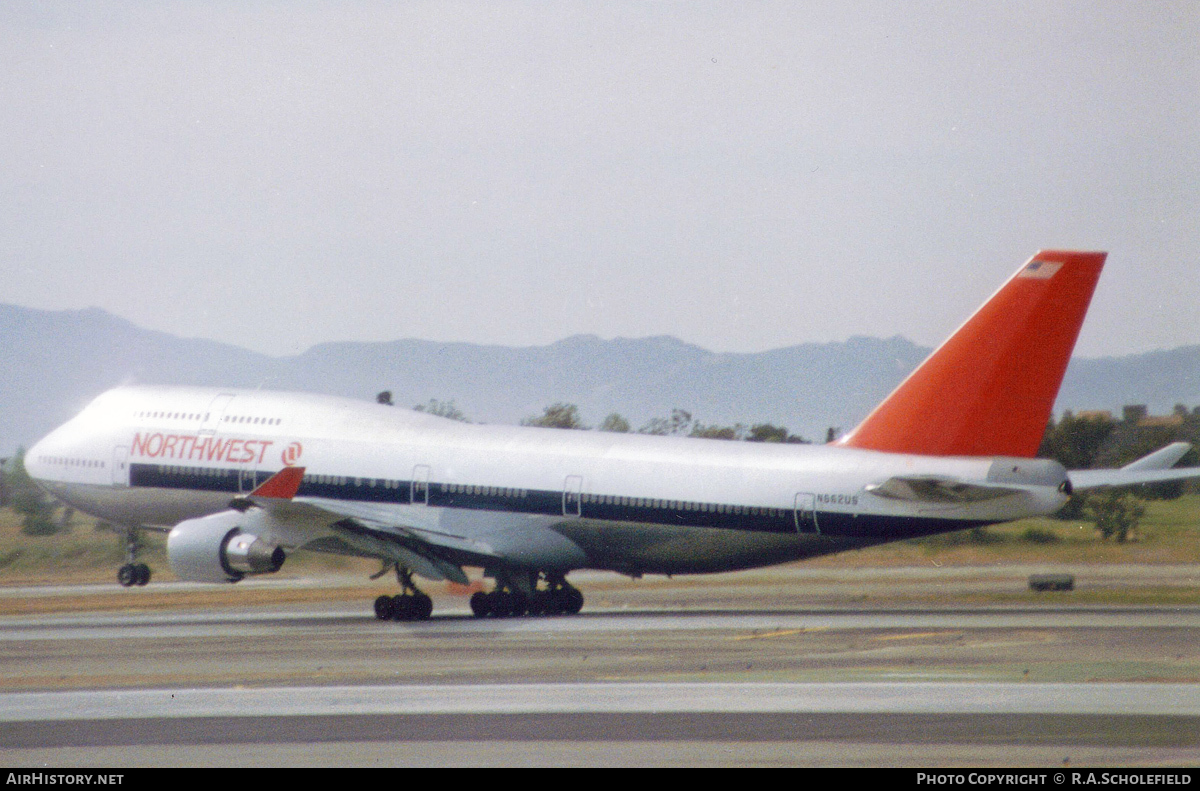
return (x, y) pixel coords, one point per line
(154, 456)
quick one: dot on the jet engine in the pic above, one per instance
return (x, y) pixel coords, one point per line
(221, 548)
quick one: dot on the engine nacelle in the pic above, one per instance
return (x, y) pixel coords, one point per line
(221, 548)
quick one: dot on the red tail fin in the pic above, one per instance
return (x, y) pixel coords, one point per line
(989, 389)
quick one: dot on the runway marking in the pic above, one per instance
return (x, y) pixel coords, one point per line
(916, 635)
(779, 633)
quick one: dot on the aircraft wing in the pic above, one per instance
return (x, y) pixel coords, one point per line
(409, 535)
(1152, 468)
(939, 489)
(412, 523)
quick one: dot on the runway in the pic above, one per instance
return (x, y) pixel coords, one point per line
(324, 683)
(1180, 700)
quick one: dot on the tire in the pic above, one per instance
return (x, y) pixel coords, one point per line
(142, 572)
(402, 608)
(422, 607)
(573, 601)
(501, 605)
(127, 575)
(556, 602)
(481, 604)
(383, 608)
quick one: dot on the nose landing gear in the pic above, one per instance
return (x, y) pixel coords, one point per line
(132, 573)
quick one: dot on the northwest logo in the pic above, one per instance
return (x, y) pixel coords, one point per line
(188, 447)
(291, 454)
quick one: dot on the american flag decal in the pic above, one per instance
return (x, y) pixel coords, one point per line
(1040, 270)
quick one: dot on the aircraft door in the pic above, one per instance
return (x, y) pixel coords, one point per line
(247, 479)
(419, 490)
(120, 465)
(212, 418)
(572, 495)
(806, 513)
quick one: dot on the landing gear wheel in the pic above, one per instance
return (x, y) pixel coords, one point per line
(383, 608)
(127, 575)
(132, 573)
(509, 600)
(422, 606)
(572, 601)
(402, 608)
(558, 597)
(411, 605)
(481, 604)
(501, 604)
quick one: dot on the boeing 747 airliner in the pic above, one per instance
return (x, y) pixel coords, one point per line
(241, 479)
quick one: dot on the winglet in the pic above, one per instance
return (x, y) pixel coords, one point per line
(283, 485)
(989, 389)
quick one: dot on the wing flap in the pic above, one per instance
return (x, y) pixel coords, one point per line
(425, 564)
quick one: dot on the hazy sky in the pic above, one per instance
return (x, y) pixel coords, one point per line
(740, 175)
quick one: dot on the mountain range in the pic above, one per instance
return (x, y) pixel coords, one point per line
(53, 362)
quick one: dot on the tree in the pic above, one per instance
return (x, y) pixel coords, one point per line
(557, 415)
(679, 424)
(1116, 513)
(765, 432)
(735, 432)
(4, 464)
(1075, 441)
(616, 424)
(36, 509)
(445, 409)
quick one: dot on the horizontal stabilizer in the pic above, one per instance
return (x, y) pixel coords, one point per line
(1092, 479)
(1151, 468)
(1161, 459)
(932, 489)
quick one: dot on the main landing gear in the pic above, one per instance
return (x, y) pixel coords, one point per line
(132, 573)
(411, 605)
(558, 597)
